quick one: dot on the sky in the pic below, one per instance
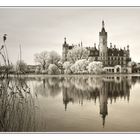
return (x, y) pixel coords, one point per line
(40, 29)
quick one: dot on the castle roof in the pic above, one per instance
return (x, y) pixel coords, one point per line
(115, 52)
(103, 32)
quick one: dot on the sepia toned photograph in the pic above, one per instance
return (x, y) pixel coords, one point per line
(70, 69)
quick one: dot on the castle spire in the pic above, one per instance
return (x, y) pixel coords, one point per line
(103, 27)
(103, 24)
(103, 123)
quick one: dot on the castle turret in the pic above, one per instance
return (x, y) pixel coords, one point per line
(103, 44)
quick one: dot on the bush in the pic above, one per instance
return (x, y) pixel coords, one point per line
(67, 67)
(44, 71)
(80, 66)
(53, 69)
(21, 67)
(37, 71)
(95, 67)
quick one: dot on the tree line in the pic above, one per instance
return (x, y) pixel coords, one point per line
(78, 62)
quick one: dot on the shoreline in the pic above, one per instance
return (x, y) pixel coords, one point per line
(77, 75)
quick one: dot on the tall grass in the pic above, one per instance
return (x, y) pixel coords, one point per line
(17, 104)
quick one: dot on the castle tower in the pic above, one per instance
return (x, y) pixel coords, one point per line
(103, 45)
(65, 50)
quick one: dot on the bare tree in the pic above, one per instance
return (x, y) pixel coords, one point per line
(54, 58)
(42, 59)
(77, 53)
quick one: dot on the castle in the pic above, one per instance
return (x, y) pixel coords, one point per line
(114, 60)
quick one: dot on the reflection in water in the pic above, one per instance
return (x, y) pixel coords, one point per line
(66, 103)
(109, 88)
(77, 89)
(17, 106)
(47, 87)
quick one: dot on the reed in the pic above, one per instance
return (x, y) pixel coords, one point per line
(17, 104)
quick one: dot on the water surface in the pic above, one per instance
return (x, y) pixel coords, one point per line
(87, 103)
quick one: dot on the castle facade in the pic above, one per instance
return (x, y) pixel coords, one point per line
(114, 60)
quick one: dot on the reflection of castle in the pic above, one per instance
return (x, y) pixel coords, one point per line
(114, 60)
(103, 101)
(80, 89)
(110, 89)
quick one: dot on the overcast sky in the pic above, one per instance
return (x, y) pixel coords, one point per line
(40, 29)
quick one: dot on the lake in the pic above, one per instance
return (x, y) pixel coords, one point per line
(83, 104)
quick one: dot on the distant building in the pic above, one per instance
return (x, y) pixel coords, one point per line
(114, 60)
(32, 68)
